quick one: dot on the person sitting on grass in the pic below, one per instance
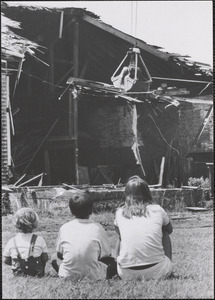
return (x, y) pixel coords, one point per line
(26, 252)
(83, 248)
(144, 250)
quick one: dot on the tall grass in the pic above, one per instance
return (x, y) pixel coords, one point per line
(192, 243)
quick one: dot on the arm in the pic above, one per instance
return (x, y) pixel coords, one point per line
(117, 231)
(60, 255)
(44, 258)
(168, 228)
(7, 260)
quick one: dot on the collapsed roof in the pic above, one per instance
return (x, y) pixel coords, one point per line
(100, 42)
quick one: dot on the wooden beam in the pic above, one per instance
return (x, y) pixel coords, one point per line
(76, 49)
(71, 117)
(51, 68)
(60, 138)
(31, 179)
(64, 61)
(75, 103)
(65, 75)
(47, 166)
(128, 38)
(75, 99)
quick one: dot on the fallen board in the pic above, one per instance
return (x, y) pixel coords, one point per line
(101, 87)
(196, 208)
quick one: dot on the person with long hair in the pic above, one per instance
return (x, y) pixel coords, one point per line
(143, 227)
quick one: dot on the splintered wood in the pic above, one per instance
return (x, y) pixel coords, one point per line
(135, 146)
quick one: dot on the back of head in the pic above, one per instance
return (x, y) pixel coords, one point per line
(81, 205)
(137, 195)
(26, 219)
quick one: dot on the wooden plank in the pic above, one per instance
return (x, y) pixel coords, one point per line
(103, 171)
(19, 180)
(61, 24)
(128, 38)
(160, 182)
(51, 68)
(47, 166)
(83, 175)
(70, 186)
(101, 86)
(62, 138)
(196, 208)
(75, 99)
(65, 75)
(76, 139)
(70, 119)
(179, 79)
(76, 49)
(35, 177)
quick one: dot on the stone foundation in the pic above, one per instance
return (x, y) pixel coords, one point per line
(49, 198)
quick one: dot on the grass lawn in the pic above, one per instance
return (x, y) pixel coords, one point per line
(193, 253)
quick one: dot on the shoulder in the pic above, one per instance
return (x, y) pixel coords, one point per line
(119, 211)
(39, 238)
(10, 242)
(67, 225)
(97, 226)
(155, 208)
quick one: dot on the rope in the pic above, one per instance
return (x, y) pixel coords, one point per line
(135, 33)
(134, 19)
(131, 17)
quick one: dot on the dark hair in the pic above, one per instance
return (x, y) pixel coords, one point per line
(137, 196)
(81, 205)
(26, 219)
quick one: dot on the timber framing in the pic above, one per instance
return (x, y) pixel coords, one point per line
(128, 38)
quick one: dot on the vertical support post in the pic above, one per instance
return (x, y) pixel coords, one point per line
(71, 118)
(136, 64)
(76, 48)
(47, 166)
(75, 103)
(210, 167)
(75, 99)
(51, 69)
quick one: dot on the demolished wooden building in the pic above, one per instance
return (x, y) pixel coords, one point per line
(89, 140)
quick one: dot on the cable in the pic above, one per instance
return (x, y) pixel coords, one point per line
(131, 17)
(135, 33)
(43, 81)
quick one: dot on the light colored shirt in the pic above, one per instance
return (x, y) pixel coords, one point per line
(23, 243)
(82, 242)
(141, 237)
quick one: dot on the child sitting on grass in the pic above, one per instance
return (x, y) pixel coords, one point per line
(26, 252)
(143, 227)
(83, 248)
